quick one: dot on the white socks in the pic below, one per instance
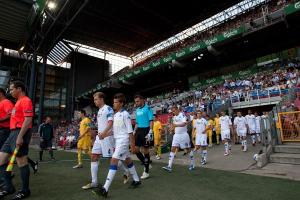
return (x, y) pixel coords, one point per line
(204, 153)
(226, 147)
(110, 176)
(192, 158)
(133, 172)
(253, 139)
(94, 172)
(171, 158)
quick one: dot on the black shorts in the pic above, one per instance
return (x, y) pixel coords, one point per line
(140, 134)
(4, 133)
(10, 144)
(46, 144)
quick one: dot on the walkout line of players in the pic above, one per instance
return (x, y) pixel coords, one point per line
(116, 135)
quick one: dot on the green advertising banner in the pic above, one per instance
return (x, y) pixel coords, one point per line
(292, 8)
(221, 79)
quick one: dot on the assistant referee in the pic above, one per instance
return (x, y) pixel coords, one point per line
(20, 135)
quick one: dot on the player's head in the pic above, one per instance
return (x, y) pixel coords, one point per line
(217, 115)
(199, 115)
(82, 113)
(139, 100)
(2, 93)
(255, 113)
(119, 101)
(249, 112)
(99, 99)
(239, 114)
(175, 110)
(16, 89)
(222, 113)
(155, 117)
(48, 120)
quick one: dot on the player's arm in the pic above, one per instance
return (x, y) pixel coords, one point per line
(106, 131)
(128, 125)
(180, 124)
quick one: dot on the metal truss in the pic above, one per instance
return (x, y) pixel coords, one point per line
(209, 23)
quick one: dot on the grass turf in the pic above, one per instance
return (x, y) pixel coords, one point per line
(57, 181)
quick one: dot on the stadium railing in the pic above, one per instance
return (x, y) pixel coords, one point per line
(258, 97)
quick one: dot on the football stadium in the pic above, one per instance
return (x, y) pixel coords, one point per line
(139, 99)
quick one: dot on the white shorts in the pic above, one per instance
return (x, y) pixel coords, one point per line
(225, 134)
(181, 140)
(257, 131)
(121, 151)
(201, 140)
(241, 132)
(104, 147)
(252, 130)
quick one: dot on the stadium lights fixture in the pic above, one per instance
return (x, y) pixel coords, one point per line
(51, 5)
(22, 48)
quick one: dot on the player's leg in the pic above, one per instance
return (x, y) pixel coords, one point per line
(171, 158)
(138, 144)
(49, 146)
(8, 187)
(79, 159)
(258, 136)
(125, 170)
(218, 136)
(136, 181)
(210, 138)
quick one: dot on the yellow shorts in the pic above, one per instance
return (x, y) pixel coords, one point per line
(218, 132)
(84, 143)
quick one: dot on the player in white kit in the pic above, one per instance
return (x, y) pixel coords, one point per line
(240, 125)
(123, 137)
(250, 118)
(103, 147)
(180, 138)
(257, 126)
(201, 127)
(226, 127)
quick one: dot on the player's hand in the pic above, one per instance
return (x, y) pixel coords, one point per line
(100, 135)
(19, 141)
(149, 136)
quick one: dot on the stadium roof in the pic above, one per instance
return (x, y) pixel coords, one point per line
(14, 18)
(129, 27)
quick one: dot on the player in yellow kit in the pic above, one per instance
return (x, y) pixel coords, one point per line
(217, 127)
(211, 123)
(85, 138)
(157, 130)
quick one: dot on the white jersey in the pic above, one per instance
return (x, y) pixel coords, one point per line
(105, 114)
(251, 122)
(122, 126)
(200, 125)
(179, 119)
(240, 123)
(225, 123)
(257, 124)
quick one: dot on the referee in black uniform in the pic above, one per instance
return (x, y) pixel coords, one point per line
(46, 136)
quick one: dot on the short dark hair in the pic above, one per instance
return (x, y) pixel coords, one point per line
(18, 84)
(83, 111)
(2, 91)
(100, 95)
(121, 97)
(138, 96)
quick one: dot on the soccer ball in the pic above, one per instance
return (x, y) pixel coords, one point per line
(255, 156)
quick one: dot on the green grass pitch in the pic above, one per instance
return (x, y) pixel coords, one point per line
(58, 181)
